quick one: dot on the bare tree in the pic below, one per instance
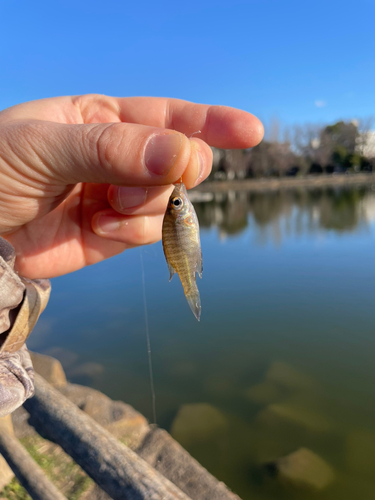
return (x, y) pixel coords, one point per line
(366, 139)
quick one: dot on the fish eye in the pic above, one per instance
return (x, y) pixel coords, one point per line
(177, 203)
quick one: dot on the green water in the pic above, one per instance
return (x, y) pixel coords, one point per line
(283, 357)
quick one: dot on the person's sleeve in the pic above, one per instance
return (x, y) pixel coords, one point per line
(21, 303)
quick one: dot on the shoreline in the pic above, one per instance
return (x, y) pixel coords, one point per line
(274, 184)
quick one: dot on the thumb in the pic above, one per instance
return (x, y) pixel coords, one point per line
(115, 153)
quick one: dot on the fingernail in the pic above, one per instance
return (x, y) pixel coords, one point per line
(200, 167)
(161, 152)
(129, 197)
(108, 224)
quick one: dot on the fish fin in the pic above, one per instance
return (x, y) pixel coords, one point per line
(199, 267)
(194, 302)
(172, 270)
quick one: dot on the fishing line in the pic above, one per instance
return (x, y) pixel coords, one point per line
(148, 341)
(197, 132)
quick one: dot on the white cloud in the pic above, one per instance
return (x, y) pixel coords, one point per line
(320, 104)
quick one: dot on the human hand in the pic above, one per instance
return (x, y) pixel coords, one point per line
(84, 178)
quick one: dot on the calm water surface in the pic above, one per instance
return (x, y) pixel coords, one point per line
(283, 357)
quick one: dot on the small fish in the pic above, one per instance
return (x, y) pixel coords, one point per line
(181, 245)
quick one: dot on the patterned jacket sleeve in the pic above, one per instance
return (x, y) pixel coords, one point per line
(21, 303)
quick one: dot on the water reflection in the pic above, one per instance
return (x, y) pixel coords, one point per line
(290, 434)
(282, 363)
(286, 211)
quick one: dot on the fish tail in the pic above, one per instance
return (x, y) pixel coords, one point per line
(194, 302)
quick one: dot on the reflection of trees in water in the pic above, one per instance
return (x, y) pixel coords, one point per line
(228, 211)
(267, 207)
(286, 210)
(343, 212)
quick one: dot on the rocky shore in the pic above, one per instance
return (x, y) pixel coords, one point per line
(287, 445)
(155, 446)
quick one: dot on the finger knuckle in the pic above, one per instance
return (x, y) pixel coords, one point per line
(105, 143)
(97, 108)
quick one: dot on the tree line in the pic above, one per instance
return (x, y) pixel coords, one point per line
(308, 149)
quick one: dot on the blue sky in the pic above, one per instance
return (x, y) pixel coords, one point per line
(298, 61)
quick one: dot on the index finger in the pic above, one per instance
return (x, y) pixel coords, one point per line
(219, 126)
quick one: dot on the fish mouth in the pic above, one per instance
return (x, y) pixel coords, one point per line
(179, 189)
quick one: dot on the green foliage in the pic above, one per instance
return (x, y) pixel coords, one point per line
(339, 155)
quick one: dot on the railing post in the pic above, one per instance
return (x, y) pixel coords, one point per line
(113, 466)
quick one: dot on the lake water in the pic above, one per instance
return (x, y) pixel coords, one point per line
(283, 357)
